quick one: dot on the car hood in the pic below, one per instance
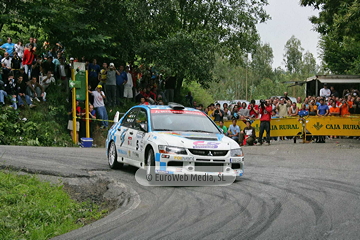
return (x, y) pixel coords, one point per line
(197, 140)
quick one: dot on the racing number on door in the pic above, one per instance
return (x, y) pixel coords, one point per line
(137, 145)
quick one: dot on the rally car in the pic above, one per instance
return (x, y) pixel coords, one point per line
(172, 140)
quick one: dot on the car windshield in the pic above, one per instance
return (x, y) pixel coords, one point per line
(181, 120)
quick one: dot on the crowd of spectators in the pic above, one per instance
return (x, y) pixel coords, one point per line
(28, 70)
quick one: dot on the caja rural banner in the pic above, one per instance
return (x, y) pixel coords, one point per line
(278, 126)
(334, 126)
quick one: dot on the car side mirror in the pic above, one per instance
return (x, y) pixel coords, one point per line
(222, 130)
(143, 127)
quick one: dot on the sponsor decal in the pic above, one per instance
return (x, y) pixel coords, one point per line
(188, 158)
(120, 151)
(130, 138)
(203, 144)
(165, 156)
(235, 160)
(140, 135)
(135, 154)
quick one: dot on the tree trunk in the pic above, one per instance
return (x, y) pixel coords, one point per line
(179, 82)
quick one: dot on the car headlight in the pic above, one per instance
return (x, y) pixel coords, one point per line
(236, 152)
(172, 150)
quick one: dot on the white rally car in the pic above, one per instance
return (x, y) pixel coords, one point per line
(174, 140)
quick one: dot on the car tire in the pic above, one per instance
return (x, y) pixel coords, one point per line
(150, 162)
(112, 157)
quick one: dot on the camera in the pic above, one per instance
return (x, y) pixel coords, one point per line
(262, 103)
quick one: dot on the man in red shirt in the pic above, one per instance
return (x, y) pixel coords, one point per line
(265, 111)
(253, 109)
(28, 59)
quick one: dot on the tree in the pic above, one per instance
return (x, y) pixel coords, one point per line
(293, 55)
(338, 22)
(185, 35)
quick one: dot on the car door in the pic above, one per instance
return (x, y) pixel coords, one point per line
(140, 130)
(126, 134)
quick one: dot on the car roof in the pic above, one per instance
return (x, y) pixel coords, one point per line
(164, 107)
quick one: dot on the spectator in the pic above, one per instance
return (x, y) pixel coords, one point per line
(128, 92)
(227, 114)
(344, 108)
(46, 80)
(111, 84)
(194, 104)
(190, 99)
(6, 65)
(325, 92)
(235, 112)
(293, 110)
(36, 68)
(102, 75)
(35, 90)
(253, 109)
(93, 71)
(64, 74)
(223, 127)
(282, 108)
(121, 80)
(211, 110)
(334, 93)
(48, 65)
(303, 111)
(19, 49)
(334, 110)
(16, 65)
(92, 117)
(286, 97)
(143, 101)
(248, 134)
(323, 109)
(218, 113)
(21, 92)
(139, 95)
(70, 122)
(8, 47)
(298, 103)
(357, 106)
(99, 106)
(11, 90)
(32, 43)
(244, 112)
(3, 95)
(265, 111)
(312, 108)
(234, 131)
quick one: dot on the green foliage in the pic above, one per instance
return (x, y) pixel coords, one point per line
(338, 22)
(201, 95)
(31, 209)
(293, 55)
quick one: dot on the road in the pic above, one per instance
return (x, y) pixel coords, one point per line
(289, 191)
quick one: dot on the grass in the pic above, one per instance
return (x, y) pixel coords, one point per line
(32, 209)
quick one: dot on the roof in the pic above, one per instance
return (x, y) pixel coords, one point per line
(335, 78)
(163, 107)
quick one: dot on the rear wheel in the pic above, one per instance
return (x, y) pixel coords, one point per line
(112, 157)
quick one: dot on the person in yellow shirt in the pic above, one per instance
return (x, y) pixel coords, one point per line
(103, 74)
(211, 110)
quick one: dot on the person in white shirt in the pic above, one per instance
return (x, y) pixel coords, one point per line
(325, 91)
(45, 81)
(99, 106)
(128, 93)
(19, 48)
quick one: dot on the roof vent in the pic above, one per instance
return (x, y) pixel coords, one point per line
(176, 106)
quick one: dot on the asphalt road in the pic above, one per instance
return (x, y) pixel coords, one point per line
(289, 191)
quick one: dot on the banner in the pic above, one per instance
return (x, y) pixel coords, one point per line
(278, 126)
(334, 126)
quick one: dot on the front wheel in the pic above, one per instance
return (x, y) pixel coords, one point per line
(150, 162)
(112, 157)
